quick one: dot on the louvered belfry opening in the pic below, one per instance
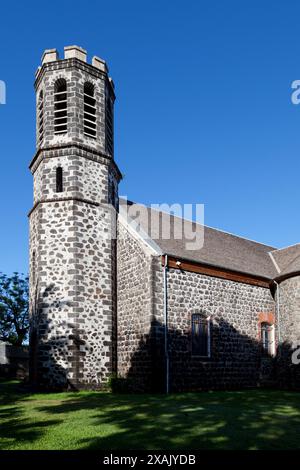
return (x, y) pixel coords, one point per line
(109, 138)
(60, 107)
(41, 117)
(89, 115)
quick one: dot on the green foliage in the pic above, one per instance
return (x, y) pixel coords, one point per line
(14, 307)
(119, 384)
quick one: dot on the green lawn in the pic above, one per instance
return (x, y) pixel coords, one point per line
(100, 420)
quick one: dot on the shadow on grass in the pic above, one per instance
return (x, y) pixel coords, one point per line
(208, 420)
(14, 425)
(216, 420)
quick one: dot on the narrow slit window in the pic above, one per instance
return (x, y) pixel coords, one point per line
(33, 267)
(59, 180)
(40, 113)
(89, 112)
(60, 107)
(200, 335)
(113, 196)
(109, 137)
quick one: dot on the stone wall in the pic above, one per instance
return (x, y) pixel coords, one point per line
(233, 309)
(135, 310)
(289, 312)
(74, 313)
(80, 173)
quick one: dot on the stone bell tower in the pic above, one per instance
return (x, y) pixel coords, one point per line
(72, 252)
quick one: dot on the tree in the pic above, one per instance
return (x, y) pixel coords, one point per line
(14, 308)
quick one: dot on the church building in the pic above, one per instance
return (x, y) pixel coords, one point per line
(112, 296)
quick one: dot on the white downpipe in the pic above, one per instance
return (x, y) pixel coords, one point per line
(166, 322)
(278, 310)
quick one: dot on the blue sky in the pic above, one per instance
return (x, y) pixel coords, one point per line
(203, 111)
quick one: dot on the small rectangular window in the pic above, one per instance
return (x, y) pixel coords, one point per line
(200, 335)
(33, 267)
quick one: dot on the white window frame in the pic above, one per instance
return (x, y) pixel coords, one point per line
(271, 341)
(208, 321)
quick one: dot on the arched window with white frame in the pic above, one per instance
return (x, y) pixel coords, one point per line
(267, 333)
(201, 335)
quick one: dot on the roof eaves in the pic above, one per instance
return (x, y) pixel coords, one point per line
(221, 267)
(280, 250)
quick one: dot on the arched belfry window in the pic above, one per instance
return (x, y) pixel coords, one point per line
(40, 114)
(60, 107)
(59, 180)
(109, 127)
(267, 338)
(200, 335)
(89, 114)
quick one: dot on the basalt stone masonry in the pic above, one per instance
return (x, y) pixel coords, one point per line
(288, 298)
(72, 256)
(233, 309)
(110, 295)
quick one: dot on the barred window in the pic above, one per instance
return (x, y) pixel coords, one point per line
(40, 114)
(60, 107)
(109, 127)
(89, 114)
(267, 338)
(200, 335)
(59, 180)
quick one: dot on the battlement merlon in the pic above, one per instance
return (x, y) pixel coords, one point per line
(72, 52)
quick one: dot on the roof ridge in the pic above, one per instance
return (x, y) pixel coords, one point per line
(286, 247)
(274, 261)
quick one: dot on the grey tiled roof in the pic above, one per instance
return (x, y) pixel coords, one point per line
(220, 249)
(287, 260)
